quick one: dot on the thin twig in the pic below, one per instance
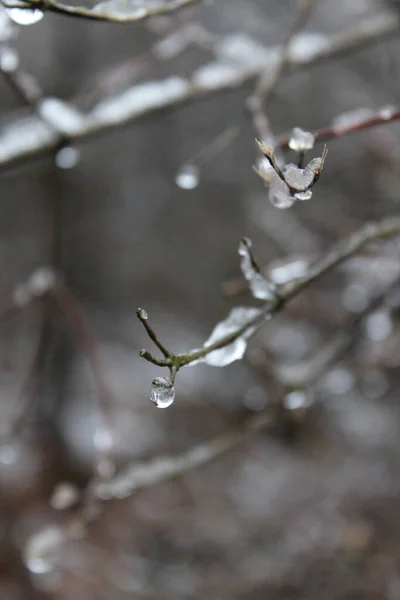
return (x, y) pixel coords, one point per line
(174, 91)
(382, 116)
(137, 14)
(269, 79)
(340, 252)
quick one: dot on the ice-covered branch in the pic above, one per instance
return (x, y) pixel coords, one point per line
(114, 11)
(29, 137)
(350, 122)
(228, 341)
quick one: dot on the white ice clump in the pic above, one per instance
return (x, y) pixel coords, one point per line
(103, 438)
(260, 287)
(60, 115)
(64, 496)
(216, 75)
(188, 177)
(140, 99)
(304, 46)
(9, 59)
(287, 272)
(162, 392)
(279, 193)
(120, 8)
(379, 326)
(301, 141)
(295, 400)
(241, 49)
(24, 16)
(171, 45)
(6, 27)
(264, 169)
(240, 318)
(41, 550)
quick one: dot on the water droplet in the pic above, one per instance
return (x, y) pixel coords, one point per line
(40, 552)
(295, 400)
(378, 326)
(9, 59)
(8, 454)
(301, 141)
(307, 195)
(188, 177)
(24, 16)
(67, 157)
(162, 392)
(64, 496)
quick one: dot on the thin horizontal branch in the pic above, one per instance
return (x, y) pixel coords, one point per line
(340, 252)
(30, 137)
(336, 129)
(103, 11)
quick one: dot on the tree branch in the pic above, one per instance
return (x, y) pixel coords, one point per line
(101, 12)
(147, 98)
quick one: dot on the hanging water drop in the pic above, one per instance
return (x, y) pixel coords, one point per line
(25, 16)
(162, 392)
(67, 157)
(188, 177)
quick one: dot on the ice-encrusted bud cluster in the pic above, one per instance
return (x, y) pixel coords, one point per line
(288, 182)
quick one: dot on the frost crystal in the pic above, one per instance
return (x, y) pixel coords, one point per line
(260, 287)
(241, 317)
(279, 194)
(188, 177)
(300, 140)
(24, 16)
(162, 392)
(40, 552)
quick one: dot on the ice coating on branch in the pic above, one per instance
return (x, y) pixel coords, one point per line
(41, 550)
(304, 46)
(188, 177)
(279, 193)
(301, 141)
(24, 16)
(6, 26)
(242, 50)
(215, 75)
(260, 287)
(351, 119)
(239, 317)
(121, 8)
(162, 392)
(60, 115)
(284, 273)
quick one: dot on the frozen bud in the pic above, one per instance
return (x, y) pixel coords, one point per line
(41, 550)
(64, 496)
(162, 392)
(301, 141)
(142, 314)
(266, 149)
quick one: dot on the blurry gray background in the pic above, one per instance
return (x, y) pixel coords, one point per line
(312, 517)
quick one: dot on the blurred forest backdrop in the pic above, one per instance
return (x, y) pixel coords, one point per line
(149, 212)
